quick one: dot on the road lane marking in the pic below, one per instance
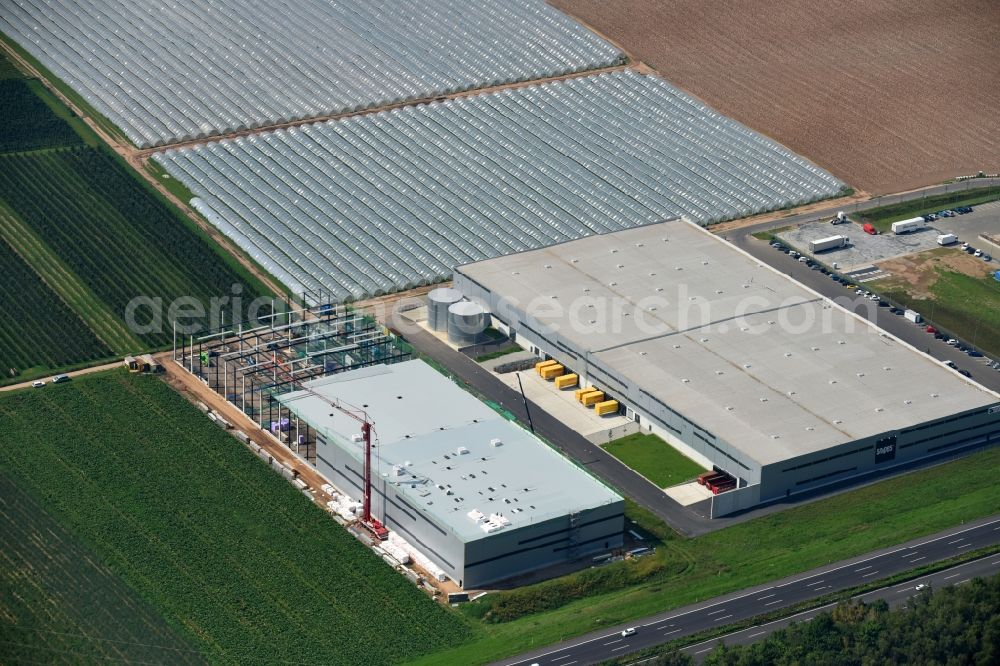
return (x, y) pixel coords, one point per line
(613, 642)
(620, 647)
(825, 587)
(863, 568)
(721, 610)
(776, 601)
(706, 649)
(962, 581)
(951, 576)
(816, 582)
(723, 617)
(766, 596)
(672, 631)
(981, 526)
(870, 573)
(964, 545)
(759, 633)
(918, 559)
(956, 541)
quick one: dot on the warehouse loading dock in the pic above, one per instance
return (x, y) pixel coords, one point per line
(728, 381)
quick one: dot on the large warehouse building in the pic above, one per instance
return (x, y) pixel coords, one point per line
(479, 496)
(733, 363)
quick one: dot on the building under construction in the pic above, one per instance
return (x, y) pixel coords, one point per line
(251, 363)
(480, 497)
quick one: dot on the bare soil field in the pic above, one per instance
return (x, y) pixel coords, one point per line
(887, 95)
(919, 273)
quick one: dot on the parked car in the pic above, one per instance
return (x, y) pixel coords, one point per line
(969, 249)
(938, 336)
(965, 373)
(977, 253)
(803, 260)
(953, 342)
(59, 379)
(37, 384)
(950, 364)
(974, 354)
(883, 304)
(987, 257)
(931, 329)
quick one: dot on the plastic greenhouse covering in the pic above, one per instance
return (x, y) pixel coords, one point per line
(174, 70)
(394, 199)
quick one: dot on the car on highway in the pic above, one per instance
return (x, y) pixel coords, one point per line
(628, 632)
(921, 587)
(37, 384)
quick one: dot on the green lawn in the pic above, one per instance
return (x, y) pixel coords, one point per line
(654, 459)
(965, 306)
(160, 512)
(751, 553)
(883, 217)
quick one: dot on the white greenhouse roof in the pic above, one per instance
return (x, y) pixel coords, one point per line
(387, 201)
(745, 352)
(422, 420)
(166, 72)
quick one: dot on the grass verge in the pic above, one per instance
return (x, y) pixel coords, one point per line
(965, 306)
(653, 458)
(774, 546)
(498, 353)
(883, 217)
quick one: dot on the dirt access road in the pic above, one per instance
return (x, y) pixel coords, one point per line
(887, 95)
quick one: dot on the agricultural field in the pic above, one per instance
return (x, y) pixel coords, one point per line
(318, 59)
(886, 95)
(386, 201)
(95, 237)
(654, 459)
(28, 122)
(182, 522)
(38, 332)
(59, 604)
(684, 570)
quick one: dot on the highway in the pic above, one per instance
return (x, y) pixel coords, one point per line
(745, 604)
(895, 595)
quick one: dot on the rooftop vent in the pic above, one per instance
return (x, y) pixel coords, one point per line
(659, 289)
(838, 421)
(495, 442)
(704, 263)
(357, 437)
(640, 244)
(775, 436)
(704, 339)
(574, 261)
(810, 428)
(833, 381)
(763, 399)
(642, 353)
(934, 395)
(614, 250)
(548, 265)
(719, 372)
(861, 374)
(841, 342)
(614, 284)
(652, 275)
(886, 368)
(791, 393)
(677, 346)
(746, 366)
(879, 409)
(729, 408)
(686, 381)
(787, 354)
(907, 402)
(678, 268)
(515, 273)
(621, 265)
(461, 450)
(815, 348)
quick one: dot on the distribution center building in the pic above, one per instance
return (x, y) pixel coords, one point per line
(732, 362)
(478, 495)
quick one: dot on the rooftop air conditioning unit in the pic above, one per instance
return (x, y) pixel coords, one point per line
(357, 438)
(495, 442)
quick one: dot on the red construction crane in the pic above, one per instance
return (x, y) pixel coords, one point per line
(370, 523)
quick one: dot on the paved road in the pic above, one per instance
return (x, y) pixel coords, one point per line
(895, 595)
(75, 373)
(895, 324)
(668, 626)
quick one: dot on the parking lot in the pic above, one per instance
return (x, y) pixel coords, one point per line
(862, 250)
(984, 219)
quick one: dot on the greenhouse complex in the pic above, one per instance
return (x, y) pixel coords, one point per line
(390, 200)
(165, 73)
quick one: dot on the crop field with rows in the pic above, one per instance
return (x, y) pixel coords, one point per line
(37, 329)
(112, 233)
(59, 604)
(28, 123)
(226, 551)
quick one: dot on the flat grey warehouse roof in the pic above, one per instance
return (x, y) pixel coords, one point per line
(743, 351)
(422, 419)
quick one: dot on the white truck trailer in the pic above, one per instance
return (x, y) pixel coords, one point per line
(947, 239)
(828, 243)
(907, 226)
(913, 316)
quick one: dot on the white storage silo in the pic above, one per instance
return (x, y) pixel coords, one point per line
(466, 323)
(438, 302)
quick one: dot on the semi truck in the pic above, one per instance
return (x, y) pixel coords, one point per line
(907, 226)
(947, 239)
(829, 243)
(841, 218)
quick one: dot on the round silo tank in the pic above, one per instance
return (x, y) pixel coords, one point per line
(438, 302)
(466, 323)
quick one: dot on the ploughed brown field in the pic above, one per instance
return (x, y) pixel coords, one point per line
(887, 95)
